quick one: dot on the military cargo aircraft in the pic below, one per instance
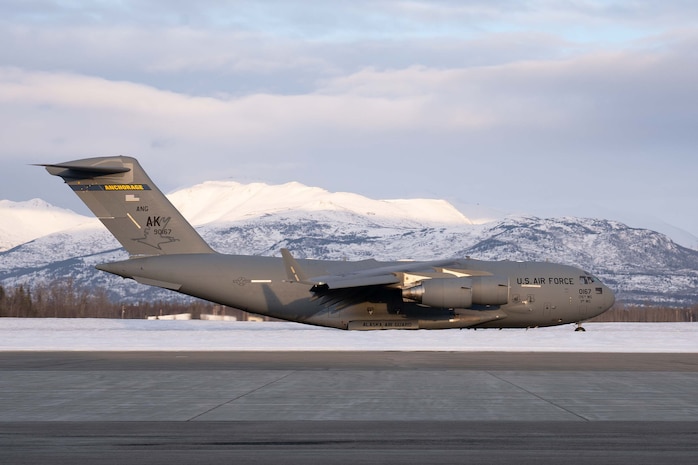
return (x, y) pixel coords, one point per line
(167, 252)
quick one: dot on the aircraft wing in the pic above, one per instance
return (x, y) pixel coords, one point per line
(385, 275)
(359, 279)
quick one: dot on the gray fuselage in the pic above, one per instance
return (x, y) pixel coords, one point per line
(166, 251)
(538, 294)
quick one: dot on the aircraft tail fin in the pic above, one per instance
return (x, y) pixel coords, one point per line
(134, 210)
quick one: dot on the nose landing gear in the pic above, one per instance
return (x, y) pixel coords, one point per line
(579, 327)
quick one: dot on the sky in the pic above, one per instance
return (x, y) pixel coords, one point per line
(548, 108)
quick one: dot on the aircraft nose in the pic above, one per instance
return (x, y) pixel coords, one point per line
(609, 297)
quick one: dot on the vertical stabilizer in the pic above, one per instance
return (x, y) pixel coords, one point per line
(122, 196)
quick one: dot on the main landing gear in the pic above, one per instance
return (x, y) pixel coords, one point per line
(579, 327)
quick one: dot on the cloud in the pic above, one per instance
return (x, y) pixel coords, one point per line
(610, 95)
(387, 98)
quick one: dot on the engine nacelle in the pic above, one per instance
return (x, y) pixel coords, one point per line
(490, 290)
(460, 292)
(442, 292)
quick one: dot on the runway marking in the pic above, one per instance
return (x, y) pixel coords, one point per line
(547, 401)
(241, 396)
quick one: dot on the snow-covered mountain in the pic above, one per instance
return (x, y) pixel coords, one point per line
(641, 265)
(22, 222)
(219, 201)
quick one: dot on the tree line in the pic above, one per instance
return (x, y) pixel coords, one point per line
(62, 299)
(650, 313)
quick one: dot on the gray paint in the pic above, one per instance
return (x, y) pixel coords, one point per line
(166, 251)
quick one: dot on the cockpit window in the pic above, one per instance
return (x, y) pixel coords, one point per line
(587, 279)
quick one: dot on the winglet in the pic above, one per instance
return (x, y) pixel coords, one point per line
(293, 270)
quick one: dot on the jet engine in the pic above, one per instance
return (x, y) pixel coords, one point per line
(460, 292)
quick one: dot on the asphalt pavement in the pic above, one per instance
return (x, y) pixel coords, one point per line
(347, 407)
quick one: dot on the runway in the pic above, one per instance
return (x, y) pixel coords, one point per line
(347, 407)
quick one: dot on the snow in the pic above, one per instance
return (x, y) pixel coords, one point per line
(18, 334)
(223, 202)
(21, 222)
(226, 201)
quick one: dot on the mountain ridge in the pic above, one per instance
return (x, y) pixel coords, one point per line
(639, 264)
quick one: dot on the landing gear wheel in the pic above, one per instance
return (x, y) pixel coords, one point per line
(579, 327)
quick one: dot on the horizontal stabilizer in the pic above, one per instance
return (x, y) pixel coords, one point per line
(75, 171)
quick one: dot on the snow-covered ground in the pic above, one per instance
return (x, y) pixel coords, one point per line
(125, 335)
